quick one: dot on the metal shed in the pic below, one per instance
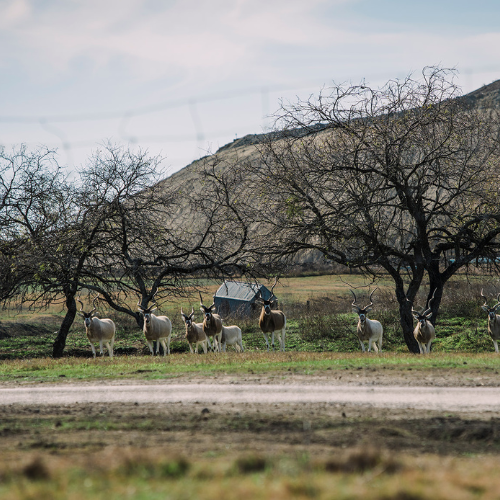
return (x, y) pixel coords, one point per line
(239, 297)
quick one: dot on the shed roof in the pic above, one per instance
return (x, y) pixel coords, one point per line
(241, 291)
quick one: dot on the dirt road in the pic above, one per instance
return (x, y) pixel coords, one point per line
(456, 399)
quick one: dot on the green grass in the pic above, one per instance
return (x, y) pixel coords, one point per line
(311, 333)
(213, 365)
(318, 320)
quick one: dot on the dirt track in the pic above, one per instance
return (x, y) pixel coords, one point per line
(447, 414)
(456, 399)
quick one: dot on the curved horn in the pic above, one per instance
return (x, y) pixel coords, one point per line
(498, 302)
(355, 300)
(370, 299)
(428, 310)
(78, 299)
(153, 298)
(201, 299)
(485, 298)
(95, 302)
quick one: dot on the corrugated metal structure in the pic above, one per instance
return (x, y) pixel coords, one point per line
(237, 297)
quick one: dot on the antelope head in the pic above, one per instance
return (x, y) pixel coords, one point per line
(266, 304)
(87, 317)
(490, 310)
(146, 311)
(362, 312)
(423, 316)
(207, 311)
(188, 319)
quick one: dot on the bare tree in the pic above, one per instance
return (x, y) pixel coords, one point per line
(161, 237)
(401, 179)
(116, 230)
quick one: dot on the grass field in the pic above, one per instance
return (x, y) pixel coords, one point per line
(214, 364)
(318, 320)
(233, 451)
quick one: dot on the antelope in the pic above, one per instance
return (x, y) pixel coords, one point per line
(231, 335)
(368, 329)
(212, 324)
(493, 320)
(424, 332)
(272, 320)
(195, 334)
(98, 330)
(156, 328)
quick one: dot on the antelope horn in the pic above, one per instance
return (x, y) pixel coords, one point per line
(370, 299)
(153, 298)
(428, 310)
(201, 299)
(485, 298)
(78, 299)
(355, 300)
(498, 300)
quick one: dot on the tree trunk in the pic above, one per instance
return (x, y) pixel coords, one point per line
(406, 321)
(60, 342)
(436, 288)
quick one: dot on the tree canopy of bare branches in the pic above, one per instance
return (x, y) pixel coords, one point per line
(115, 230)
(401, 179)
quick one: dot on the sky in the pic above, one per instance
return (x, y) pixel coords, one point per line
(183, 78)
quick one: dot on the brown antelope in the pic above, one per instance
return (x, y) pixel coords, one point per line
(368, 329)
(195, 334)
(98, 330)
(493, 320)
(272, 320)
(212, 324)
(156, 328)
(424, 332)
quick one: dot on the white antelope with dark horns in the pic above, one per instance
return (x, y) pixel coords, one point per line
(156, 328)
(493, 320)
(195, 334)
(368, 329)
(212, 324)
(272, 320)
(424, 332)
(98, 330)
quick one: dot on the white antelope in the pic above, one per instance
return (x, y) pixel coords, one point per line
(424, 332)
(195, 334)
(156, 328)
(98, 330)
(493, 320)
(272, 320)
(212, 324)
(368, 329)
(231, 335)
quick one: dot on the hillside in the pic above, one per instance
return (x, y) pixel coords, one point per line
(245, 149)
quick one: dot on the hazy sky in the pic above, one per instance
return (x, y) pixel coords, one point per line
(182, 78)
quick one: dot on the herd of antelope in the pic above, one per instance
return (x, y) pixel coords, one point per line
(159, 328)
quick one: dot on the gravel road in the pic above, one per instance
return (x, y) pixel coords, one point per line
(456, 399)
